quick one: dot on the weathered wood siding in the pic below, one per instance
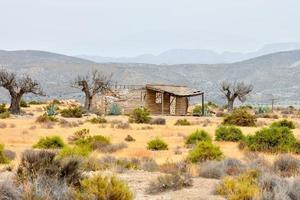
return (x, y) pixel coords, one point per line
(156, 108)
(181, 105)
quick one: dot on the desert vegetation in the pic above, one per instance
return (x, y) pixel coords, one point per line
(140, 155)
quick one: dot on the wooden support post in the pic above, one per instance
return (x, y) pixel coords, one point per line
(202, 104)
(162, 103)
(273, 105)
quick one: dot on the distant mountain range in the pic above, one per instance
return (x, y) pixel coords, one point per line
(195, 56)
(273, 75)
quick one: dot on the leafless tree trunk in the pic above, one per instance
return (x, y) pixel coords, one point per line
(92, 84)
(231, 91)
(17, 87)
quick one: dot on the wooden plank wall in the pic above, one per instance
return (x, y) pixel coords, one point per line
(156, 108)
(181, 106)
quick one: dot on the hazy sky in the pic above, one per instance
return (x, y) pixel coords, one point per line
(132, 27)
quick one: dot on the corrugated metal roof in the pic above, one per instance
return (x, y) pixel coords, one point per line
(177, 90)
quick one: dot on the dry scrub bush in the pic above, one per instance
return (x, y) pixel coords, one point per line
(34, 164)
(66, 124)
(9, 154)
(12, 125)
(111, 148)
(129, 138)
(169, 182)
(81, 134)
(123, 164)
(72, 112)
(33, 127)
(219, 169)
(46, 119)
(103, 188)
(3, 125)
(286, 165)
(240, 117)
(9, 191)
(48, 188)
(242, 187)
(119, 124)
(98, 120)
(173, 168)
(182, 122)
(158, 121)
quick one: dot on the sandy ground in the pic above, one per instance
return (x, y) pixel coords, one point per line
(22, 132)
(138, 181)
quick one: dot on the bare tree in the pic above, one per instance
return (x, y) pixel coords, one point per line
(235, 90)
(91, 84)
(17, 87)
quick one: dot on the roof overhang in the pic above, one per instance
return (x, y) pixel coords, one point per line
(175, 90)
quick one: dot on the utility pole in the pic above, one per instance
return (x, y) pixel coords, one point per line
(273, 101)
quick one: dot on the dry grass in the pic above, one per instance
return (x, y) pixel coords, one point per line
(14, 139)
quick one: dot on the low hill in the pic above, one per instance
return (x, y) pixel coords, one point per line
(274, 74)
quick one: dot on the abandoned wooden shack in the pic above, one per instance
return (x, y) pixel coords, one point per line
(169, 99)
(159, 99)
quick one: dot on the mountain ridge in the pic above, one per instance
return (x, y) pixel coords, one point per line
(273, 74)
(195, 56)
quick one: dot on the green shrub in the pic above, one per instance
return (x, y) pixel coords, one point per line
(3, 108)
(274, 139)
(94, 142)
(240, 117)
(212, 104)
(23, 104)
(197, 111)
(157, 144)
(53, 142)
(115, 109)
(229, 133)
(198, 135)
(98, 120)
(103, 188)
(182, 122)
(3, 158)
(140, 116)
(284, 123)
(72, 112)
(204, 151)
(4, 115)
(76, 151)
(245, 187)
(169, 182)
